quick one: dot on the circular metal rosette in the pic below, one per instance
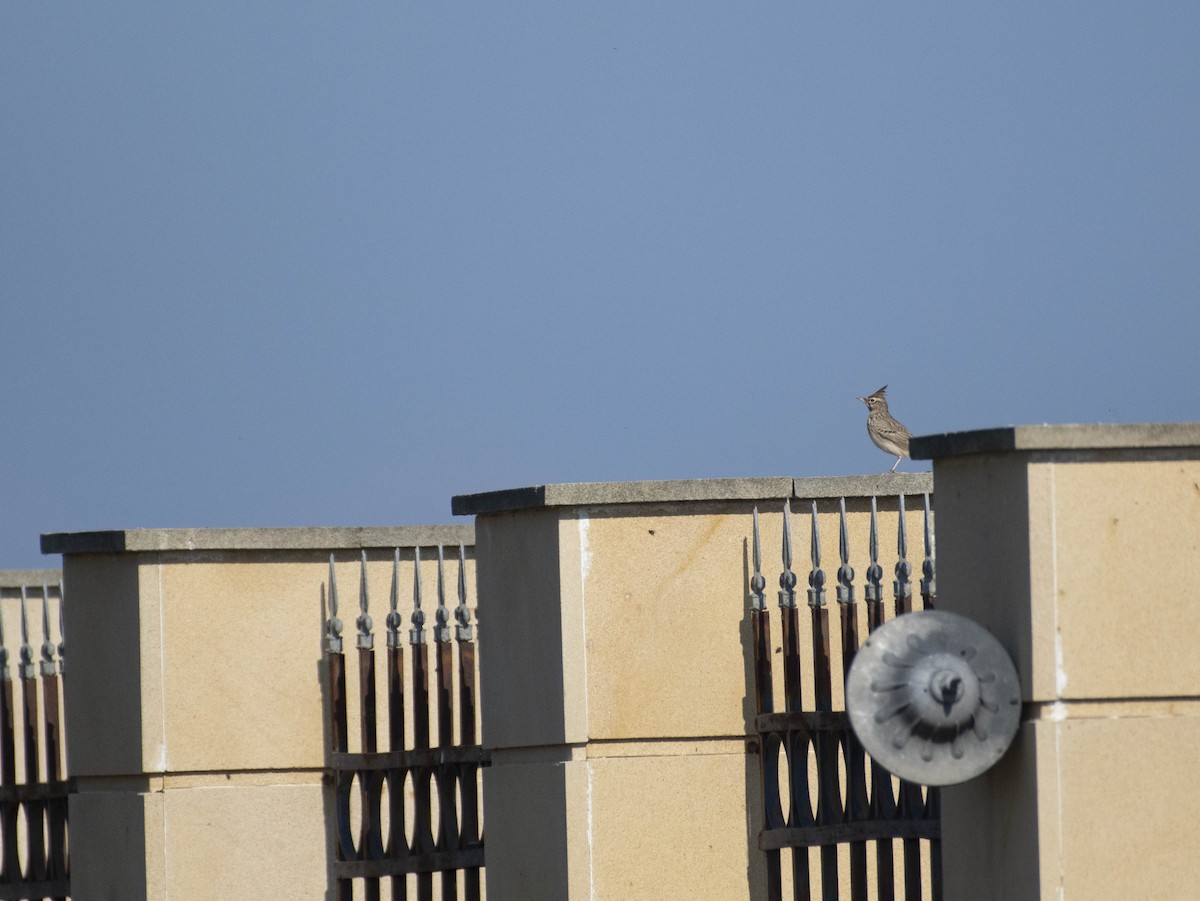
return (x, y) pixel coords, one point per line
(933, 697)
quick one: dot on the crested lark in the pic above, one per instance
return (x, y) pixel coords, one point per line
(888, 435)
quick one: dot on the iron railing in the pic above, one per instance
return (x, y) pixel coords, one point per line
(846, 835)
(431, 821)
(34, 860)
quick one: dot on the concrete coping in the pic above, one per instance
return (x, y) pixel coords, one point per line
(30, 578)
(1081, 437)
(593, 494)
(274, 539)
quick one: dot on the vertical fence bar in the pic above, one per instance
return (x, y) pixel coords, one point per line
(829, 808)
(883, 805)
(912, 806)
(35, 835)
(464, 635)
(422, 775)
(397, 843)
(768, 752)
(335, 667)
(853, 754)
(56, 804)
(10, 868)
(370, 843)
(446, 789)
(799, 803)
(932, 794)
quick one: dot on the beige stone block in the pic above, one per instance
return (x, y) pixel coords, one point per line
(984, 571)
(1127, 808)
(531, 651)
(108, 643)
(991, 826)
(1126, 541)
(116, 845)
(669, 826)
(241, 641)
(246, 841)
(536, 816)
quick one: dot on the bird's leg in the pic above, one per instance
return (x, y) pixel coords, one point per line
(894, 465)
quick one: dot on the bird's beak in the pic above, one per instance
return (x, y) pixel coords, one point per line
(863, 399)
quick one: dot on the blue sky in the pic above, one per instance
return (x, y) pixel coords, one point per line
(298, 264)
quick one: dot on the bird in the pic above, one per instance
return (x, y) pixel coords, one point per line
(887, 434)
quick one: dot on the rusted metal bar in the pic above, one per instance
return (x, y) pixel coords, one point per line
(396, 847)
(829, 801)
(35, 810)
(464, 635)
(335, 674)
(447, 839)
(397, 844)
(370, 842)
(883, 804)
(422, 839)
(56, 802)
(768, 743)
(796, 741)
(912, 805)
(854, 757)
(840, 833)
(933, 812)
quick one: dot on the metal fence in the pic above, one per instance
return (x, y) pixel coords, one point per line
(409, 816)
(831, 814)
(33, 776)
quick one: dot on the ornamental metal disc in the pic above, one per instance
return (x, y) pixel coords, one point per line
(933, 697)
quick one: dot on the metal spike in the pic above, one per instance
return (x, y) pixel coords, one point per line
(366, 640)
(416, 635)
(441, 631)
(873, 591)
(393, 618)
(816, 576)
(929, 581)
(902, 586)
(787, 578)
(47, 645)
(845, 573)
(5, 672)
(333, 625)
(62, 629)
(463, 630)
(757, 582)
(27, 668)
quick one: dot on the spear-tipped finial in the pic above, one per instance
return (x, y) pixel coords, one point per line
(787, 578)
(333, 625)
(441, 631)
(47, 645)
(366, 640)
(845, 573)
(62, 630)
(5, 672)
(873, 590)
(757, 582)
(393, 618)
(902, 586)
(27, 669)
(416, 635)
(928, 581)
(816, 576)
(463, 630)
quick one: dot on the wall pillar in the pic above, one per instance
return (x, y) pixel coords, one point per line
(615, 678)
(1078, 547)
(195, 708)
